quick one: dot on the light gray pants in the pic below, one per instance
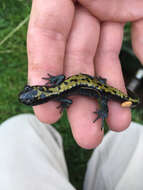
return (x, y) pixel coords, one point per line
(31, 158)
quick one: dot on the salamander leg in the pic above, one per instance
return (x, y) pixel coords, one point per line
(54, 80)
(65, 103)
(102, 80)
(102, 112)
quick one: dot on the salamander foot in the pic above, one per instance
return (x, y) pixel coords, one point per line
(65, 103)
(54, 80)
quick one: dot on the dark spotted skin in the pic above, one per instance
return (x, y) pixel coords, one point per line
(58, 88)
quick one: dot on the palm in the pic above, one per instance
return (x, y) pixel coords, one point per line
(115, 10)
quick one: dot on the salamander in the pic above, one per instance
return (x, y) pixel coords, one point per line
(59, 88)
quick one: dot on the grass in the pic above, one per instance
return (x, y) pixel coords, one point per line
(13, 72)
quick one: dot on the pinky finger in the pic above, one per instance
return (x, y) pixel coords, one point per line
(137, 39)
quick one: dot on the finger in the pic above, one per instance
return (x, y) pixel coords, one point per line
(115, 10)
(137, 39)
(47, 34)
(107, 65)
(80, 52)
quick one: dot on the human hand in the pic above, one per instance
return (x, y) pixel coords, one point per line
(64, 38)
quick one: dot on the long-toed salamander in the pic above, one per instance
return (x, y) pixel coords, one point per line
(58, 88)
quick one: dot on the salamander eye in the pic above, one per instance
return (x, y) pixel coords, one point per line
(27, 88)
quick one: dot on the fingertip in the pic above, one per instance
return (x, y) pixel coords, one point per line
(87, 139)
(118, 118)
(87, 134)
(47, 113)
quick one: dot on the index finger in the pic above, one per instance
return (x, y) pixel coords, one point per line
(47, 34)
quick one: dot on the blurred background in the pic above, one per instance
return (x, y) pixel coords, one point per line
(14, 16)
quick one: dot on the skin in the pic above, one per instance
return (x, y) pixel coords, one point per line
(84, 37)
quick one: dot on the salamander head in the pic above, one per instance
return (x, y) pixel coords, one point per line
(31, 95)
